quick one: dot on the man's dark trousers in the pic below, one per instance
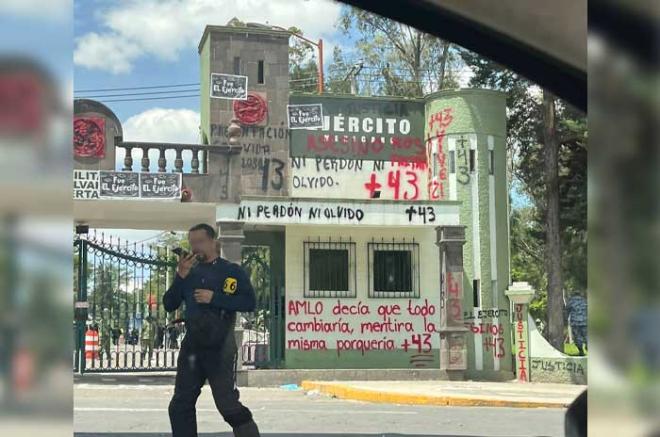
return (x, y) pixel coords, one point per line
(219, 368)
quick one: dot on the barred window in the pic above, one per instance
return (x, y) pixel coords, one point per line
(393, 269)
(329, 268)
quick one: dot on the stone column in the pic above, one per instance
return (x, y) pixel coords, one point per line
(520, 294)
(453, 345)
(230, 240)
(230, 234)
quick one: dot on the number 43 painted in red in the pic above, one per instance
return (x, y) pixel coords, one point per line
(417, 341)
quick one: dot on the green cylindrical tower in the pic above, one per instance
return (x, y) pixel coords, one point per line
(466, 133)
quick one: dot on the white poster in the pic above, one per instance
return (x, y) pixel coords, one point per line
(85, 184)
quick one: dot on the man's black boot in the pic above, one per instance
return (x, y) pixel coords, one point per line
(248, 429)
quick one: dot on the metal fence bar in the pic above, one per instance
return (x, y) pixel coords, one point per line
(125, 283)
(329, 269)
(401, 260)
(128, 282)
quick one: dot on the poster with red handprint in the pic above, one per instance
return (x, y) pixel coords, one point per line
(89, 137)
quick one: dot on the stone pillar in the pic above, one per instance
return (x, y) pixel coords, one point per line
(520, 294)
(230, 234)
(230, 240)
(453, 345)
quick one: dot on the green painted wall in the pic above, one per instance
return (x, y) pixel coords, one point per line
(354, 360)
(478, 116)
(361, 236)
(475, 110)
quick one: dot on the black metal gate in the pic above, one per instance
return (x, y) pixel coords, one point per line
(262, 332)
(120, 323)
(121, 285)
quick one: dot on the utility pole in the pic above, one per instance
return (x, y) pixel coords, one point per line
(352, 74)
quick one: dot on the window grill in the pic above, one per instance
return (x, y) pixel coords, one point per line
(329, 268)
(393, 269)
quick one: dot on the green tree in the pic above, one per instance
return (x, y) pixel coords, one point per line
(527, 257)
(120, 286)
(159, 280)
(336, 82)
(303, 67)
(547, 144)
(107, 288)
(397, 59)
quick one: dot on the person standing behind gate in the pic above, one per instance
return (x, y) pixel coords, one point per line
(577, 317)
(105, 334)
(207, 282)
(147, 338)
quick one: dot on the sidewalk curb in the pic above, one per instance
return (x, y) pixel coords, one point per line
(342, 391)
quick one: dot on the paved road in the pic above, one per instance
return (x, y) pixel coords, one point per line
(141, 411)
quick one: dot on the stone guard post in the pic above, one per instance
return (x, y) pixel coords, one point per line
(230, 236)
(520, 294)
(453, 346)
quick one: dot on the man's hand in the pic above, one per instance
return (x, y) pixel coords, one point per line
(203, 296)
(185, 264)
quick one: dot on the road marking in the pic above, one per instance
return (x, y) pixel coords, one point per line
(264, 409)
(127, 410)
(124, 387)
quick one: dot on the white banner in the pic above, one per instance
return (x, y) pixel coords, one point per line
(317, 212)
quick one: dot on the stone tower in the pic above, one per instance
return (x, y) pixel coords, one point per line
(474, 127)
(262, 54)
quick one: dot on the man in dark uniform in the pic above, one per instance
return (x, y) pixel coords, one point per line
(204, 281)
(576, 307)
